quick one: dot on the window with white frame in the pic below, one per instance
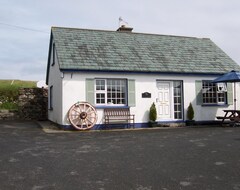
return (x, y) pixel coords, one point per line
(211, 94)
(111, 92)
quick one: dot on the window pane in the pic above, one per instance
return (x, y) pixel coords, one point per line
(100, 98)
(177, 87)
(100, 84)
(221, 97)
(109, 101)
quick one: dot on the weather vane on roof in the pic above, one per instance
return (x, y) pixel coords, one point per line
(122, 22)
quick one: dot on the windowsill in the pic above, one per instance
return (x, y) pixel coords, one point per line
(215, 105)
(110, 106)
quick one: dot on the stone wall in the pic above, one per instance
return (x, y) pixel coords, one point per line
(33, 103)
(9, 115)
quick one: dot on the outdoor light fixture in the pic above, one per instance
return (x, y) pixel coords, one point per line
(221, 87)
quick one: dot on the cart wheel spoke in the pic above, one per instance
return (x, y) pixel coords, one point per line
(89, 121)
(76, 110)
(82, 116)
(90, 112)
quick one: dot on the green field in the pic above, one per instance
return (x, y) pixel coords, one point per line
(17, 84)
(9, 92)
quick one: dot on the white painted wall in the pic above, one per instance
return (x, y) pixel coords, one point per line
(74, 90)
(55, 80)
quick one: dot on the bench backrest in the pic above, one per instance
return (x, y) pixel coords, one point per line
(116, 112)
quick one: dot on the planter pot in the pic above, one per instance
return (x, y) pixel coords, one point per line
(190, 122)
(152, 124)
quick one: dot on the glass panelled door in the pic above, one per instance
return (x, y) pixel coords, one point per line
(169, 100)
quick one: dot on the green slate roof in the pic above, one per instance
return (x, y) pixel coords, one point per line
(98, 50)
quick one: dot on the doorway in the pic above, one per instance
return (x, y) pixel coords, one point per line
(164, 100)
(169, 101)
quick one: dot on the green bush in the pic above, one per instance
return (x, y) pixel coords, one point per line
(190, 112)
(153, 113)
(8, 97)
(9, 92)
(9, 106)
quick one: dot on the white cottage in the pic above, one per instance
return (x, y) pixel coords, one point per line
(123, 69)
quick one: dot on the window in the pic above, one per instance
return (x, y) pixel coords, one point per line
(177, 96)
(53, 54)
(211, 95)
(110, 92)
(50, 104)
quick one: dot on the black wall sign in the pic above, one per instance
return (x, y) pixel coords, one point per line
(146, 95)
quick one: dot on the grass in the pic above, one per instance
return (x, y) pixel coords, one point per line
(6, 84)
(9, 92)
(9, 106)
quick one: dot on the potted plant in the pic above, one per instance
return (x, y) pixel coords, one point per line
(190, 115)
(152, 115)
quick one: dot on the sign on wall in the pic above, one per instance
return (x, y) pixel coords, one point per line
(146, 95)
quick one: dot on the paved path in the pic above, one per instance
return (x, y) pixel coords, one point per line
(170, 159)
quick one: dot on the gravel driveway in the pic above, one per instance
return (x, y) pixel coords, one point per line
(161, 159)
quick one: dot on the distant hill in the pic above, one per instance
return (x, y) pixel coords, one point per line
(17, 84)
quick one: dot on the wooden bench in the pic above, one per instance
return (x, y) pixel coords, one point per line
(118, 116)
(222, 117)
(235, 120)
(232, 115)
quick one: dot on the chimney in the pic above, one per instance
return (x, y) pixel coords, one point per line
(124, 28)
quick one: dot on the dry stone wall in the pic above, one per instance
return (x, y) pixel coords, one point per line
(33, 103)
(9, 115)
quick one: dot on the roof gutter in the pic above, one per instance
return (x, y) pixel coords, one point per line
(141, 72)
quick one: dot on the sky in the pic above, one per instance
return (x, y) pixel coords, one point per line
(25, 26)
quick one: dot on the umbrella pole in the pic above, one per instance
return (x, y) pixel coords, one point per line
(234, 96)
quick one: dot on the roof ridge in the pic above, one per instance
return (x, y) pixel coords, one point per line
(130, 33)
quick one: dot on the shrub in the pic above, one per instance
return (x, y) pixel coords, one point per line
(153, 113)
(9, 106)
(9, 92)
(190, 112)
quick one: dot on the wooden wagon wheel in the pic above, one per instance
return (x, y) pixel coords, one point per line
(82, 116)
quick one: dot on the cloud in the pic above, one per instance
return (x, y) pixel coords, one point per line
(24, 52)
(23, 70)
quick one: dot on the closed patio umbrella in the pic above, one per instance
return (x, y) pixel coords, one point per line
(233, 76)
